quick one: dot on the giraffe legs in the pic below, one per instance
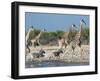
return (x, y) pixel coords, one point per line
(36, 43)
(27, 46)
(39, 42)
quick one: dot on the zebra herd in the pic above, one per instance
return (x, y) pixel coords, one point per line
(67, 55)
(41, 53)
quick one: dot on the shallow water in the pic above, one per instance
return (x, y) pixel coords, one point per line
(38, 64)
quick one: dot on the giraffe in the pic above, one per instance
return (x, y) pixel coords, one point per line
(37, 38)
(27, 38)
(63, 41)
(76, 40)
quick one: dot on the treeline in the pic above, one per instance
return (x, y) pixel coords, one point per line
(51, 37)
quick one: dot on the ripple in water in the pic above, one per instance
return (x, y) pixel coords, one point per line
(37, 64)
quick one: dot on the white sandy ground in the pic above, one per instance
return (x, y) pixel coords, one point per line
(80, 55)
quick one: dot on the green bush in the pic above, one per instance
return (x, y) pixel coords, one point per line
(53, 36)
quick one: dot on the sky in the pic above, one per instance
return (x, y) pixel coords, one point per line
(53, 21)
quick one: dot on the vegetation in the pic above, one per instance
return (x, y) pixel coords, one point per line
(85, 36)
(48, 37)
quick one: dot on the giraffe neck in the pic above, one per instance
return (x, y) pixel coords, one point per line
(77, 37)
(37, 37)
(27, 36)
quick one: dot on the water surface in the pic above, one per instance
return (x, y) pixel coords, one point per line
(37, 64)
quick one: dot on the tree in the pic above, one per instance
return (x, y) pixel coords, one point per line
(85, 35)
(60, 33)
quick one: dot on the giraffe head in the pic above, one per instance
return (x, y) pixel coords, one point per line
(44, 30)
(82, 22)
(74, 27)
(31, 28)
